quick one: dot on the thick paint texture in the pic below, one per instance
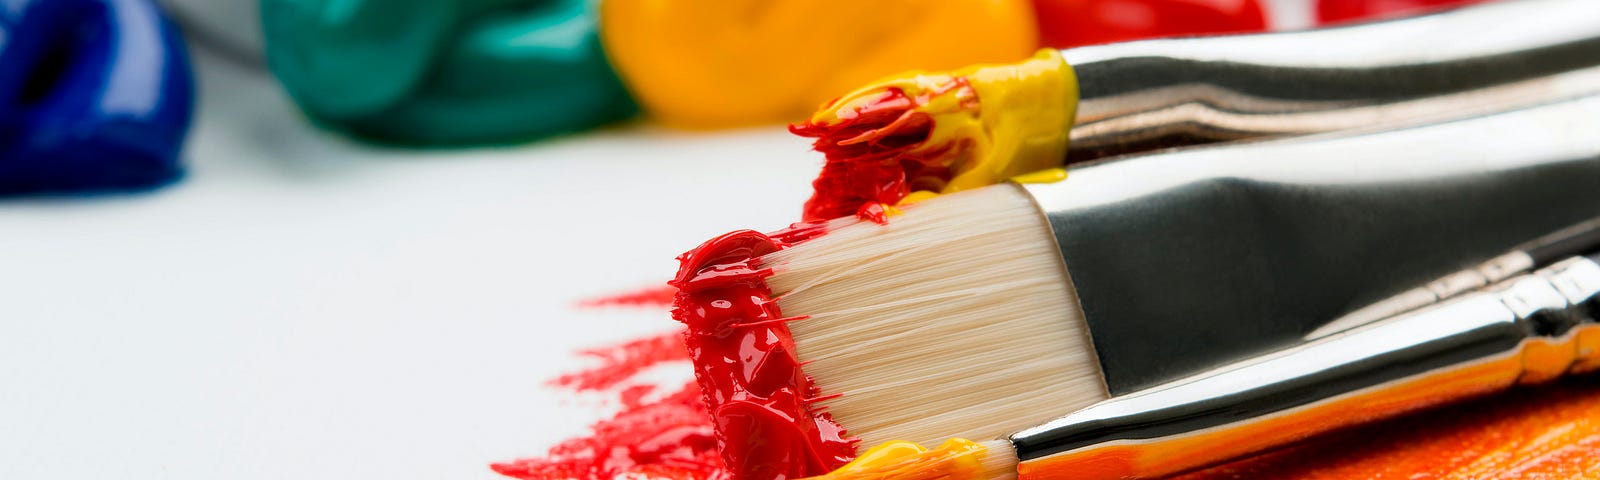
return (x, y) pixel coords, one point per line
(444, 72)
(95, 95)
(714, 64)
(956, 459)
(920, 134)
(744, 360)
(1072, 23)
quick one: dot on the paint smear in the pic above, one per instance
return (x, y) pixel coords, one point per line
(1546, 432)
(651, 437)
(658, 296)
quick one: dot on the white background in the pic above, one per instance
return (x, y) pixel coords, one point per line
(307, 307)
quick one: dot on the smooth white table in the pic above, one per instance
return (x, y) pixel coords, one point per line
(307, 307)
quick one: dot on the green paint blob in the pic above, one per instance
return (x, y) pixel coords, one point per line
(444, 72)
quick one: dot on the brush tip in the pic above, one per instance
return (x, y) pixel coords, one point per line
(939, 132)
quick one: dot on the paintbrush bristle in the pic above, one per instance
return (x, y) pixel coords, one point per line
(957, 319)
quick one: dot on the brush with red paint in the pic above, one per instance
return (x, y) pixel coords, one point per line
(1180, 303)
(938, 132)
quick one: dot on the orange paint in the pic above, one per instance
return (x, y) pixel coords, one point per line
(1177, 455)
(1545, 432)
(901, 460)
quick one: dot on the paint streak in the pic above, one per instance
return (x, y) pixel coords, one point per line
(920, 134)
(1546, 432)
(645, 297)
(744, 360)
(956, 459)
(668, 438)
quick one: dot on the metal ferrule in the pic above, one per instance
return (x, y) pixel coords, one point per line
(1145, 95)
(1193, 259)
(1528, 329)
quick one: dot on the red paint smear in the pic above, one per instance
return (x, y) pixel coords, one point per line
(1546, 432)
(760, 400)
(875, 155)
(619, 363)
(670, 438)
(646, 297)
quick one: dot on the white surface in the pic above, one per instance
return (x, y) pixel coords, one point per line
(305, 307)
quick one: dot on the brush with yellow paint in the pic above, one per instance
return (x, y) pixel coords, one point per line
(1160, 313)
(910, 136)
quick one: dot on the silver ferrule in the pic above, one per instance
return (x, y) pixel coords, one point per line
(1140, 96)
(1528, 329)
(1191, 259)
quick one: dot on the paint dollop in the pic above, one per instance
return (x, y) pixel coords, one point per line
(760, 400)
(922, 134)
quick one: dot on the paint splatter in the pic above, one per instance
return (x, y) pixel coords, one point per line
(668, 438)
(660, 296)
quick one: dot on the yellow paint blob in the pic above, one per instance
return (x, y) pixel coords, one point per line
(990, 122)
(699, 63)
(956, 459)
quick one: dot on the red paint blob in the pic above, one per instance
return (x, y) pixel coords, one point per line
(1337, 11)
(1072, 23)
(670, 438)
(745, 363)
(646, 297)
(875, 154)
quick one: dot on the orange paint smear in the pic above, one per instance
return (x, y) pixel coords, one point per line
(1544, 432)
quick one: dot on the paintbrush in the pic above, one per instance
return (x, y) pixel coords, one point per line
(913, 135)
(1525, 330)
(993, 311)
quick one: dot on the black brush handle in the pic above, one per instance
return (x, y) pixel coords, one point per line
(1191, 259)
(1140, 96)
(1528, 329)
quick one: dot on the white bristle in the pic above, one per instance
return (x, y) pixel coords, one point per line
(956, 319)
(999, 460)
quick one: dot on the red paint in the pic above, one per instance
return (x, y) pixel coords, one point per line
(876, 154)
(619, 363)
(1072, 23)
(646, 297)
(745, 363)
(670, 438)
(1337, 11)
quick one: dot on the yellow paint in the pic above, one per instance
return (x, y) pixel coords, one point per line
(700, 63)
(1051, 175)
(1013, 120)
(956, 459)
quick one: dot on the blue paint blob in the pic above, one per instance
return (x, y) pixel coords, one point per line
(95, 96)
